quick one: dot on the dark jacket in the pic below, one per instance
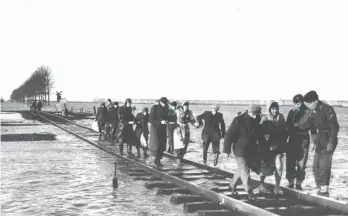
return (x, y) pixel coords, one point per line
(243, 133)
(102, 115)
(142, 127)
(292, 120)
(112, 115)
(158, 135)
(214, 126)
(172, 117)
(325, 120)
(125, 132)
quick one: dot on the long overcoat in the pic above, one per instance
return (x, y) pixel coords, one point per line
(158, 131)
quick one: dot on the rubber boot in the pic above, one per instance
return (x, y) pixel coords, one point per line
(138, 150)
(129, 151)
(145, 152)
(159, 164)
(216, 158)
(121, 148)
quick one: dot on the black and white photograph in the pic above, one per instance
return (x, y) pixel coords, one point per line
(174, 108)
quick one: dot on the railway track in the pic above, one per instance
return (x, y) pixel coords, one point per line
(210, 183)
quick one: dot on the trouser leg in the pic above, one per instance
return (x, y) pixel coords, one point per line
(290, 167)
(121, 146)
(234, 182)
(316, 168)
(301, 166)
(244, 173)
(205, 149)
(325, 163)
(170, 138)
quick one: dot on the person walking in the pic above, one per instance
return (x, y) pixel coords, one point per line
(172, 121)
(113, 120)
(101, 118)
(158, 137)
(185, 118)
(324, 118)
(213, 131)
(125, 132)
(278, 143)
(297, 153)
(243, 134)
(142, 131)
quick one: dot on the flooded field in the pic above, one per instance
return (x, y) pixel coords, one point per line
(68, 177)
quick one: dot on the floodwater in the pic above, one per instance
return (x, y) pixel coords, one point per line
(69, 177)
(339, 175)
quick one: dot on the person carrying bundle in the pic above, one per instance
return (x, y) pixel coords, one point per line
(142, 131)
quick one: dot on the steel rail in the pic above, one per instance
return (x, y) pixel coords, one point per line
(224, 200)
(311, 198)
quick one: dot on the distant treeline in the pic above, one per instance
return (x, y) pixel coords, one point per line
(37, 87)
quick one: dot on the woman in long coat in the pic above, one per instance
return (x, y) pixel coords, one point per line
(125, 132)
(158, 135)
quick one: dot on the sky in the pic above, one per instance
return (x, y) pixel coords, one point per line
(183, 49)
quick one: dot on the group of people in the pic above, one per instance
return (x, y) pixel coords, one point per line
(258, 140)
(35, 106)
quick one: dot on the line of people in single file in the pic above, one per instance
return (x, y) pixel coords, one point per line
(258, 140)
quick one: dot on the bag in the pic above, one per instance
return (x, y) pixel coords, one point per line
(143, 141)
(95, 126)
(178, 140)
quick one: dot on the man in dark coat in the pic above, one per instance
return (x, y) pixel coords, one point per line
(125, 132)
(297, 153)
(102, 117)
(113, 120)
(33, 107)
(214, 129)
(172, 121)
(142, 129)
(323, 117)
(243, 133)
(39, 106)
(158, 136)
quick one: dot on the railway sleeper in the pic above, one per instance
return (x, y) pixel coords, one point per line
(196, 206)
(160, 184)
(139, 174)
(180, 199)
(150, 178)
(169, 191)
(223, 212)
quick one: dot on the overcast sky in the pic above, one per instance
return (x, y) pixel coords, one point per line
(182, 49)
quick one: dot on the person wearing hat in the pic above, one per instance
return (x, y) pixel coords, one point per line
(323, 117)
(108, 124)
(185, 118)
(243, 134)
(102, 118)
(172, 119)
(158, 137)
(213, 131)
(142, 130)
(297, 153)
(125, 132)
(113, 120)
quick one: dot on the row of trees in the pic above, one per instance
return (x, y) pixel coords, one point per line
(37, 87)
